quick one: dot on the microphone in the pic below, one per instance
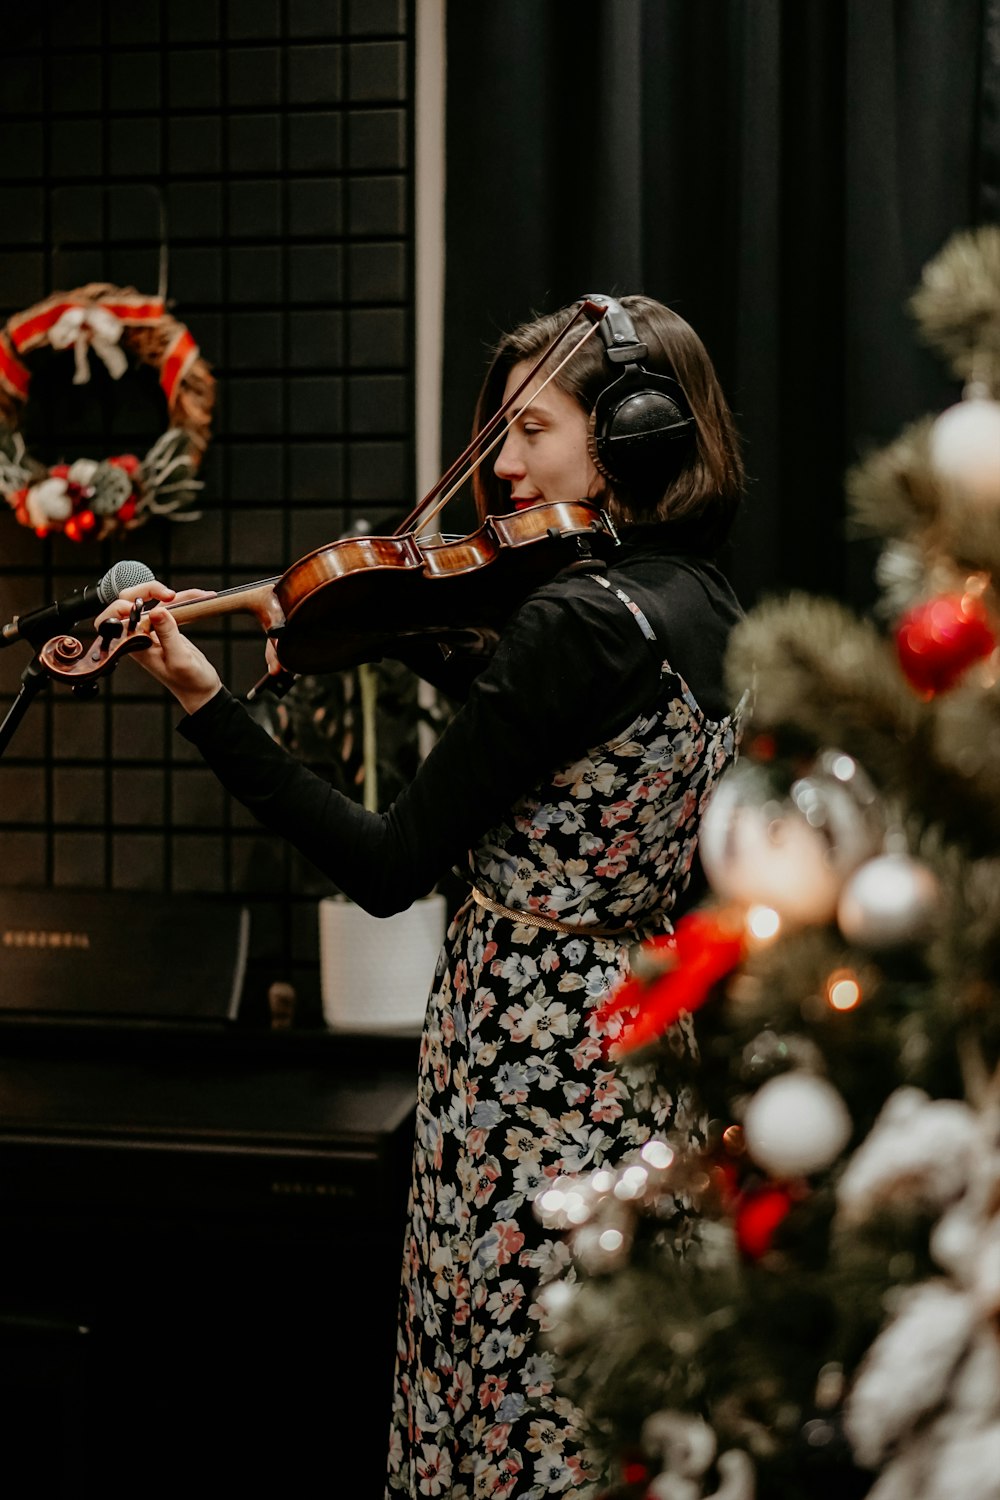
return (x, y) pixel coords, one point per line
(39, 625)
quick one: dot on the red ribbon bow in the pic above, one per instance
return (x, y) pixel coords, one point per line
(704, 947)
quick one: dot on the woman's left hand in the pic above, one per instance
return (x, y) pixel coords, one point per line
(172, 659)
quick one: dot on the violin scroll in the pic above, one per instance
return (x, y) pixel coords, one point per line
(68, 660)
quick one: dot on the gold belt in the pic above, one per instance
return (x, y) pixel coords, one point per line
(535, 919)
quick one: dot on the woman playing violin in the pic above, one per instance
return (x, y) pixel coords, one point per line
(568, 789)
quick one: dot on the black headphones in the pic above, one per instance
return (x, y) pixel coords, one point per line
(642, 430)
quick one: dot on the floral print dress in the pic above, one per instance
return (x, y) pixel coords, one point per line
(515, 1088)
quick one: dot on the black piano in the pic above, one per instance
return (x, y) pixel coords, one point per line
(201, 1233)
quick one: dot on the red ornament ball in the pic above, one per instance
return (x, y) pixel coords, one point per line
(635, 1472)
(758, 1217)
(940, 639)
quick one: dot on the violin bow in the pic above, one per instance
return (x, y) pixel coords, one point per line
(422, 512)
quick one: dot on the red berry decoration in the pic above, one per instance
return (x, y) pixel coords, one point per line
(940, 639)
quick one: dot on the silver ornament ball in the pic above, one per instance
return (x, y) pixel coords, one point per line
(790, 852)
(888, 901)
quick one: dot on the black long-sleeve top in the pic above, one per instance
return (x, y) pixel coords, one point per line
(571, 671)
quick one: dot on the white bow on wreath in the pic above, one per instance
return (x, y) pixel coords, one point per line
(87, 328)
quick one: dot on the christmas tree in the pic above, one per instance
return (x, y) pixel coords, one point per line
(834, 1328)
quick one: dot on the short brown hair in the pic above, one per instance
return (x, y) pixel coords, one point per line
(698, 508)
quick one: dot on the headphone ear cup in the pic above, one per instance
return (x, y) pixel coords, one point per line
(641, 432)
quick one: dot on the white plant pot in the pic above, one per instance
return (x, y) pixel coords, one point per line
(376, 972)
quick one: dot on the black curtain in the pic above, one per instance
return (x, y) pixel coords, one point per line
(776, 170)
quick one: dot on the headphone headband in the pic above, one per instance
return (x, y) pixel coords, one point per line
(617, 331)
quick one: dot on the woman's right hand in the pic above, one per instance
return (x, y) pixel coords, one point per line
(172, 659)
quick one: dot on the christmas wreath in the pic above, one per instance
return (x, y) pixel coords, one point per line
(91, 498)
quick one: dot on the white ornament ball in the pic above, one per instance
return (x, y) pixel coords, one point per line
(888, 901)
(965, 447)
(796, 1124)
(791, 853)
(48, 501)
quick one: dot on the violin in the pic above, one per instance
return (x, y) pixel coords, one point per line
(362, 597)
(359, 598)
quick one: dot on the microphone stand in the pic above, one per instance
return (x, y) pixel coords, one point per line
(33, 679)
(66, 613)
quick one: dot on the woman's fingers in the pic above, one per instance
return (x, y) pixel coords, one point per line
(154, 589)
(170, 657)
(120, 608)
(177, 662)
(163, 622)
(274, 667)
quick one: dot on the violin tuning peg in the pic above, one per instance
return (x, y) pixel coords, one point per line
(110, 631)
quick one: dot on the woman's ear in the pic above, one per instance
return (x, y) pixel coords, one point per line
(599, 489)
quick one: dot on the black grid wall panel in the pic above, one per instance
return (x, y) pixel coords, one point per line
(260, 151)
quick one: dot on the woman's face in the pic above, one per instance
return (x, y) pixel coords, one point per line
(544, 455)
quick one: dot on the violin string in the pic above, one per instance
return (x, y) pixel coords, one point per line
(502, 435)
(417, 514)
